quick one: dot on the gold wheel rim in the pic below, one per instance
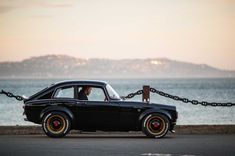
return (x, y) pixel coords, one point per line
(158, 128)
(56, 124)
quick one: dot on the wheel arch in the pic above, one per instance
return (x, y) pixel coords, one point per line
(56, 108)
(151, 111)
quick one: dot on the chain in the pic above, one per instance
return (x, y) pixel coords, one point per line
(131, 95)
(177, 98)
(11, 95)
(153, 90)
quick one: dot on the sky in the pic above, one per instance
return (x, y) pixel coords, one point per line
(197, 31)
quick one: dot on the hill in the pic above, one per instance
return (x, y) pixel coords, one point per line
(63, 66)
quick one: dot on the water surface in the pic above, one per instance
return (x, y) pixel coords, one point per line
(211, 90)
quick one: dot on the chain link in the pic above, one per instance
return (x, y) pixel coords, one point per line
(11, 95)
(131, 95)
(177, 98)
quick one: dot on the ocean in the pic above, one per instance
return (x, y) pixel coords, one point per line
(210, 90)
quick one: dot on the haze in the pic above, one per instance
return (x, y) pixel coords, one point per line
(197, 31)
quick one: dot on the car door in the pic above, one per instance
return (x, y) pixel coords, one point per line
(98, 113)
(129, 113)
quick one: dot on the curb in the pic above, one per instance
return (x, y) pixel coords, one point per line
(180, 129)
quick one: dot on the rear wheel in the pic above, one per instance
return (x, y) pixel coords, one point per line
(155, 125)
(56, 124)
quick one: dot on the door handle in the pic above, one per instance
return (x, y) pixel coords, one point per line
(81, 103)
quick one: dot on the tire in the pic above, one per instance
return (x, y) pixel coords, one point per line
(56, 124)
(155, 125)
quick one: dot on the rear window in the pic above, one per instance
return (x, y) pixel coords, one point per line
(66, 92)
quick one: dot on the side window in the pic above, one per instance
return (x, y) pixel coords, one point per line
(67, 92)
(91, 93)
(97, 94)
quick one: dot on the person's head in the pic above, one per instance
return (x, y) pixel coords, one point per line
(87, 90)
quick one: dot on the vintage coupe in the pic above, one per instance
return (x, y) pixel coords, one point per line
(59, 110)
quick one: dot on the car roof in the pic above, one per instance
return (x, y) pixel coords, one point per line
(90, 82)
(68, 82)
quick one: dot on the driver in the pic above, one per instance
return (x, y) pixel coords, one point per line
(86, 91)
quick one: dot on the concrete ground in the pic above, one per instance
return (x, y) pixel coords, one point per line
(118, 144)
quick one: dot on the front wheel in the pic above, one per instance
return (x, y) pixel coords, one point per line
(56, 124)
(155, 125)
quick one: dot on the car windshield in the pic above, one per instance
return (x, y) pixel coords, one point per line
(112, 93)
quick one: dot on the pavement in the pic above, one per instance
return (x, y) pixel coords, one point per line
(118, 144)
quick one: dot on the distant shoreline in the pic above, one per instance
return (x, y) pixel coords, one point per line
(62, 66)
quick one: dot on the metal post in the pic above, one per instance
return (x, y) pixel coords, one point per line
(146, 94)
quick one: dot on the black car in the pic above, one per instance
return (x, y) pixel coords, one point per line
(59, 109)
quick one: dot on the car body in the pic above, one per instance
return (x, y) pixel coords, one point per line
(59, 110)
